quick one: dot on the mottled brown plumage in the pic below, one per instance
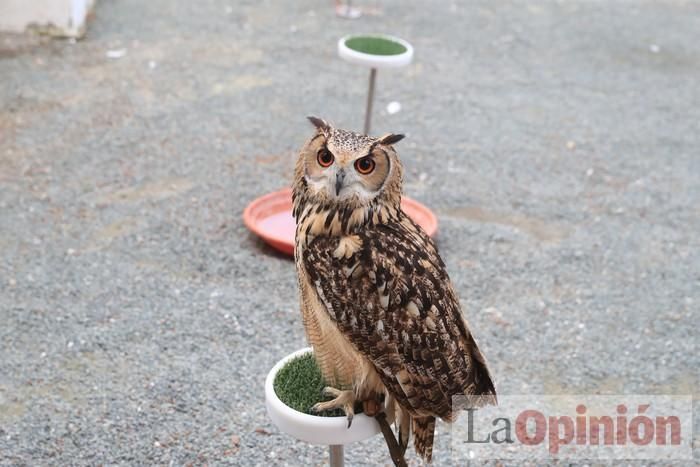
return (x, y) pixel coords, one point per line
(377, 304)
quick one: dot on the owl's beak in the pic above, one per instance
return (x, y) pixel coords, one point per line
(339, 178)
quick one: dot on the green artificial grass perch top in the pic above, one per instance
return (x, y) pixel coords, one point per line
(375, 45)
(299, 384)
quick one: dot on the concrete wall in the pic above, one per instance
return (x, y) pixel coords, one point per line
(53, 17)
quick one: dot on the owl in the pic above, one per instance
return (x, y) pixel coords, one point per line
(377, 304)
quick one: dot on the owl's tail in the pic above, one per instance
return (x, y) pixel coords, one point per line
(423, 433)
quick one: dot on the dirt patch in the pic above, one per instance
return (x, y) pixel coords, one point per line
(537, 228)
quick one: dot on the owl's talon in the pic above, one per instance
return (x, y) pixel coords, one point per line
(315, 408)
(371, 407)
(329, 391)
(342, 399)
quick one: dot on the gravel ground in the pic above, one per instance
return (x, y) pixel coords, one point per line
(557, 142)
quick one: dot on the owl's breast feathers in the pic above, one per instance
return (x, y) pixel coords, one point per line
(387, 291)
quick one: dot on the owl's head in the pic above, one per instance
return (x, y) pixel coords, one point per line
(340, 166)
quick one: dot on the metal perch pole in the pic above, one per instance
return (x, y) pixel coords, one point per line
(336, 455)
(370, 99)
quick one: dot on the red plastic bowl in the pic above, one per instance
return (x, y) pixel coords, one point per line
(270, 217)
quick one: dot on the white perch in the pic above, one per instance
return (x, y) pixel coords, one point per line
(63, 18)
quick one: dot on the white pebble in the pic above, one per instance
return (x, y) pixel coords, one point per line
(116, 53)
(393, 107)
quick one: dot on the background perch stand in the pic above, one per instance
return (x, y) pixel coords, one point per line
(374, 51)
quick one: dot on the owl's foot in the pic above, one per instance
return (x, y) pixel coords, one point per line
(344, 400)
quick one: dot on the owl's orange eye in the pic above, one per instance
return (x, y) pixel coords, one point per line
(324, 158)
(365, 165)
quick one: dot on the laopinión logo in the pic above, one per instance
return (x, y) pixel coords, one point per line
(574, 426)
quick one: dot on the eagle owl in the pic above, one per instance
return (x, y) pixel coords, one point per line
(377, 304)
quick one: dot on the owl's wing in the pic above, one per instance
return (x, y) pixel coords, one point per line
(388, 292)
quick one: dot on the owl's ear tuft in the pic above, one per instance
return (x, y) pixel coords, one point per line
(319, 123)
(390, 139)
